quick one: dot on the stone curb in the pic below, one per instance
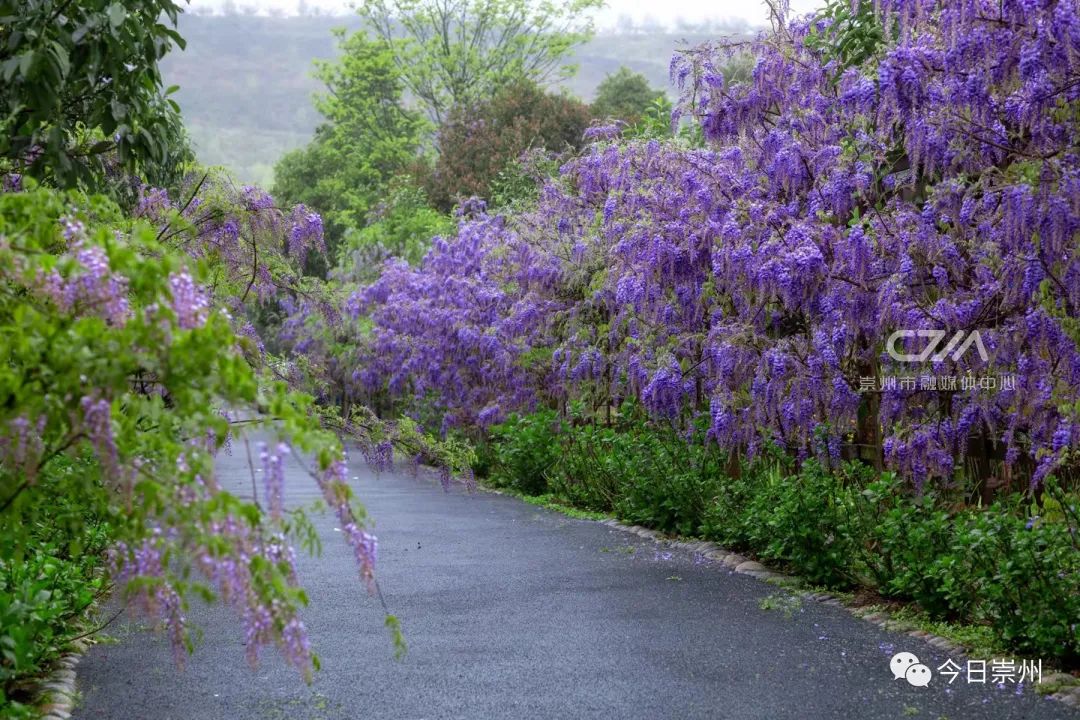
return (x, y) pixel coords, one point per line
(57, 693)
(1068, 692)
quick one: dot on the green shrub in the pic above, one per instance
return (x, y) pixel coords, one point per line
(667, 484)
(483, 459)
(843, 528)
(525, 448)
(807, 521)
(591, 468)
(1025, 581)
(726, 519)
(48, 586)
(645, 474)
(909, 552)
(992, 566)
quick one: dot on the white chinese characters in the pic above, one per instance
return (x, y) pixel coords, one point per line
(1000, 671)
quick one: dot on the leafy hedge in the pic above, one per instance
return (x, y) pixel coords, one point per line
(49, 582)
(1013, 566)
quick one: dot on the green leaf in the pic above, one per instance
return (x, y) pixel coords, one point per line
(9, 67)
(26, 61)
(63, 62)
(117, 14)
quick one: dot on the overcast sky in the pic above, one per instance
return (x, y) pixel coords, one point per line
(668, 11)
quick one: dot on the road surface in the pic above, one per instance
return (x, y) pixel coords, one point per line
(512, 611)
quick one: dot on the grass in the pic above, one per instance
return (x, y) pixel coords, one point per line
(978, 640)
(787, 604)
(550, 501)
(625, 549)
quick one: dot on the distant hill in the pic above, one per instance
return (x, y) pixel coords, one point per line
(246, 85)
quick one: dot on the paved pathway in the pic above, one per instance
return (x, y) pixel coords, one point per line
(511, 611)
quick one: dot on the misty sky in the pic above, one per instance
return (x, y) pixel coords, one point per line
(668, 11)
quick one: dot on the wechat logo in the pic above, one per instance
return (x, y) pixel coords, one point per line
(905, 665)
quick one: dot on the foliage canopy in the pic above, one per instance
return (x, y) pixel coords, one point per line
(624, 95)
(80, 87)
(369, 136)
(457, 52)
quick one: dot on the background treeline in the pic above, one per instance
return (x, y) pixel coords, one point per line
(256, 103)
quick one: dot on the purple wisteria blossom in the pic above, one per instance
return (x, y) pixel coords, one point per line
(754, 279)
(189, 302)
(273, 463)
(97, 424)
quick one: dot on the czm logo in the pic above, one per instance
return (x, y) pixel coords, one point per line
(956, 347)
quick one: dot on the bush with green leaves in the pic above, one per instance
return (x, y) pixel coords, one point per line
(525, 450)
(807, 521)
(117, 350)
(911, 542)
(1013, 567)
(643, 473)
(49, 580)
(1025, 579)
(647, 475)
(591, 469)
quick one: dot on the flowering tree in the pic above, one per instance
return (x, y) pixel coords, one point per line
(906, 166)
(126, 338)
(458, 330)
(927, 187)
(133, 335)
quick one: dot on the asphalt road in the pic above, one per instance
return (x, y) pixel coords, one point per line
(511, 611)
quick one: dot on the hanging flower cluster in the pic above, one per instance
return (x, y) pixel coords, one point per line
(140, 359)
(758, 279)
(459, 326)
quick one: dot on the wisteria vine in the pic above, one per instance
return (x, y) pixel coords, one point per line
(755, 280)
(154, 364)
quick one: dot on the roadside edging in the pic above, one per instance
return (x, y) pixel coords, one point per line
(1066, 688)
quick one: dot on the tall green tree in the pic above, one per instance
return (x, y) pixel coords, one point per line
(79, 83)
(400, 226)
(624, 95)
(481, 140)
(453, 53)
(369, 137)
